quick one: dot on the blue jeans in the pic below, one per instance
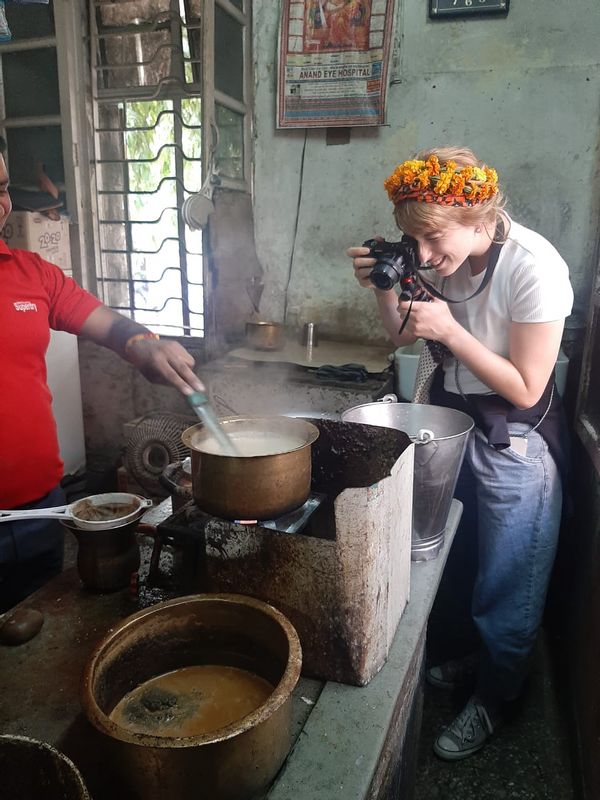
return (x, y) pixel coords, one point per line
(31, 552)
(508, 539)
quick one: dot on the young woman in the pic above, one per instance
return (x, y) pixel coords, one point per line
(498, 296)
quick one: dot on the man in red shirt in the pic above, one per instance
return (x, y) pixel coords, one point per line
(36, 296)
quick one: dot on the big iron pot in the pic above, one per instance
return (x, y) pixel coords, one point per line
(232, 763)
(252, 487)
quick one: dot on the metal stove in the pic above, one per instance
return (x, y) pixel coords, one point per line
(338, 566)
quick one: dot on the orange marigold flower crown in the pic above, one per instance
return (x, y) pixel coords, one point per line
(444, 183)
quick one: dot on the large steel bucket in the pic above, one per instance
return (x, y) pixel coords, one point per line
(440, 438)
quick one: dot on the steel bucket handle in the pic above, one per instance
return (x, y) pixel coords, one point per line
(424, 455)
(424, 436)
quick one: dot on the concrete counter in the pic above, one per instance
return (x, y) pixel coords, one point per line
(350, 742)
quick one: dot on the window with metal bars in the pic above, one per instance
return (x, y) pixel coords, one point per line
(159, 92)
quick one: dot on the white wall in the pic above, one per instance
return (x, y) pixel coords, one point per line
(62, 364)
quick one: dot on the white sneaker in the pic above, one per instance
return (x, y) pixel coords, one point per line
(467, 734)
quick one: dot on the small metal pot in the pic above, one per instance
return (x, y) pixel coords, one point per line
(106, 559)
(31, 770)
(265, 335)
(252, 487)
(232, 763)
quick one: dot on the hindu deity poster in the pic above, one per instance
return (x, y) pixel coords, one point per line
(333, 62)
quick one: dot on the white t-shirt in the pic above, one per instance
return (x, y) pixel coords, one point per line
(530, 283)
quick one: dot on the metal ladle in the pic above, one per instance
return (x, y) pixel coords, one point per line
(203, 410)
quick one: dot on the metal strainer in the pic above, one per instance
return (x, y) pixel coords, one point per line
(98, 512)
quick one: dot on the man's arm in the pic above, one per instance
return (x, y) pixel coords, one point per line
(159, 360)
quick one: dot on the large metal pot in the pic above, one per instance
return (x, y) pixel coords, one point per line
(232, 763)
(253, 486)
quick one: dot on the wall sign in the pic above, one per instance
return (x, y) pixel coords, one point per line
(333, 62)
(446, 9)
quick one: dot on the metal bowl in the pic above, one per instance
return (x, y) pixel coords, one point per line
(232, 763)
(265, 335)
(32, 770)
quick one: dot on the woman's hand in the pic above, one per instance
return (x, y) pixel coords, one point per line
(387, 299)
(363, 264)
(428, 320)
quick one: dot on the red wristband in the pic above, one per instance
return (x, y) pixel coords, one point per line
(138, 337)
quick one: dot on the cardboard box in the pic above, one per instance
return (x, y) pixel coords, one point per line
(29, 230)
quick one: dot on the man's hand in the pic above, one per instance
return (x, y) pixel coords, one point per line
(159, 360)
(166, 362)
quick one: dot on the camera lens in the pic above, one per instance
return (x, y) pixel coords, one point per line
(383, 276)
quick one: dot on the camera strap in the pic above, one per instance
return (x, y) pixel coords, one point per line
(489, 271)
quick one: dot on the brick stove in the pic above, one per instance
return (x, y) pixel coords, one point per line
(339, 567)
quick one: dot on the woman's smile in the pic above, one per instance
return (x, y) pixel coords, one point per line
(436, 263)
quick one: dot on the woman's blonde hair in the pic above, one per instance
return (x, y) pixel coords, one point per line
(417, 218)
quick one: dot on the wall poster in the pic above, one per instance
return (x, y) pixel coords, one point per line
(333, 62)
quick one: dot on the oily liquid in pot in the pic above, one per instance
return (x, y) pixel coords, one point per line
(251, 443)
(191, 701)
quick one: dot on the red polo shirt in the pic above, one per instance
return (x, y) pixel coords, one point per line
(35, 296)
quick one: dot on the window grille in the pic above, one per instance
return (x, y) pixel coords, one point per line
(156, 94)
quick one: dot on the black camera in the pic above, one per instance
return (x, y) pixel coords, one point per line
(397, 262)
